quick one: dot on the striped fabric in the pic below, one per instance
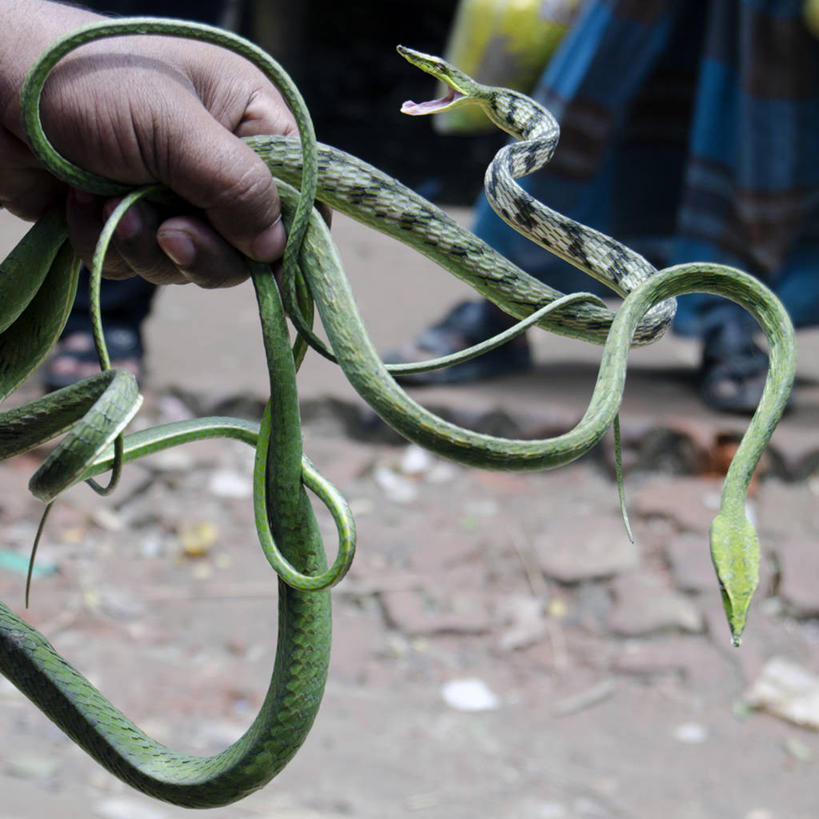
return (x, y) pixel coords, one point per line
(689, 130)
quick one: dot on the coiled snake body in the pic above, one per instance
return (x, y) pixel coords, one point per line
(36, 290)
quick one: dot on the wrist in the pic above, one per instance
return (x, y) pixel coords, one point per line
(27, 27)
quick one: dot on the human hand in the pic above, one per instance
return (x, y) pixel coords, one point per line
(158, 109)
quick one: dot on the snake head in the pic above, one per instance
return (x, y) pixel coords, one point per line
(735, 553)
(460, 87)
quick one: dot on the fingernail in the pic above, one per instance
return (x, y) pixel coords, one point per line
(269, 245)
(177, 246)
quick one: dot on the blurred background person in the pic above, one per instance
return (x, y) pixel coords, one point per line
(689, 132)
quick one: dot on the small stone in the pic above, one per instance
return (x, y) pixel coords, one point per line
(575, 550)
(107, 519)
(225, 483)
(469, 694)
(150, 546)
(396, 487)
(786, 690)
(557, 608)
(416, 460)
(198, 538)
(644, 606)
(690, 733)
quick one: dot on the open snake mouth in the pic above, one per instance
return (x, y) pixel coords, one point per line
(432, 106)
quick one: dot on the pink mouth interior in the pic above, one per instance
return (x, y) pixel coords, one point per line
(431, 106)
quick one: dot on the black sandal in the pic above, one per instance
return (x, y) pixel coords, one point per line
(734, 368)
(466, 324)
(75, 357)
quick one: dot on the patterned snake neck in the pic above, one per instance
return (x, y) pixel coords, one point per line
(536, 133)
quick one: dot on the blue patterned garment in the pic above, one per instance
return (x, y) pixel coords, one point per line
(690, 131)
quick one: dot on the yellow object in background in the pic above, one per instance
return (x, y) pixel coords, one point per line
(811, 11)
(502, 42)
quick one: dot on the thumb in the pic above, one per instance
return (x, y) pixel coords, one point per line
(210, 167)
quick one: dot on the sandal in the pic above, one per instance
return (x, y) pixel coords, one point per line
(734, 368)
(76, 357)
(466, 324)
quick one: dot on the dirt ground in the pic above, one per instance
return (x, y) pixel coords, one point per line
(500, 648)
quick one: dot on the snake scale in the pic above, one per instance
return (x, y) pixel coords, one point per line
(37, 285)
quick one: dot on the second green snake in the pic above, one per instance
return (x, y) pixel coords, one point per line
(32, 321)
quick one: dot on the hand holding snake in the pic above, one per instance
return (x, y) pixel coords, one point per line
(288, 534)
(99, 92)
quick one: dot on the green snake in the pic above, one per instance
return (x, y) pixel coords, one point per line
(37, 284)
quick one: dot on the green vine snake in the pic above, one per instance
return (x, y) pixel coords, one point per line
(37, 285)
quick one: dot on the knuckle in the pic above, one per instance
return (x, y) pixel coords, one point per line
(247, 189)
